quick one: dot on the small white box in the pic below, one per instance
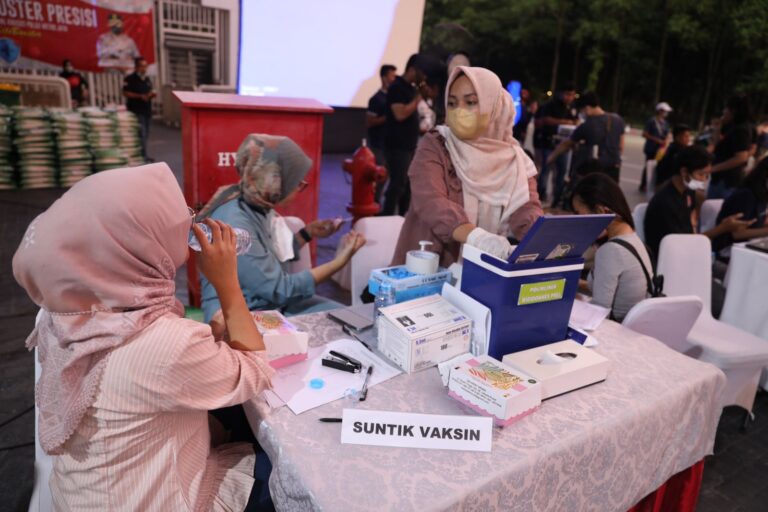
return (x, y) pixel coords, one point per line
(494, 389)
(422, 333)
(560, 367)
(285, 344)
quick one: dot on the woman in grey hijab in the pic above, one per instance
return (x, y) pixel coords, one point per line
(272, 171)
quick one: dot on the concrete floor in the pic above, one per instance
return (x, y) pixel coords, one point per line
(734, 478)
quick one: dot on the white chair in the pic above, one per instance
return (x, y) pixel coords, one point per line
(305, 257)
(381, 234)
(708, 214)
(685, 261)
(638, 216)
(41, 500)
(668, 319)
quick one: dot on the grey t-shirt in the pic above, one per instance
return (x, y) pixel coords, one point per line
(617, 280)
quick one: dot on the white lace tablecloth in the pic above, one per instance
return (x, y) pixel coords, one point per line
(600, 448)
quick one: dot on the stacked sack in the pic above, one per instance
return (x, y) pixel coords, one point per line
(7, 175)
(103, 139)
(128, 134)
(75, 159)
(35, 147)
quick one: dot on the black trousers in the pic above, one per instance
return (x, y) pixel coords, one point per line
(397, 198)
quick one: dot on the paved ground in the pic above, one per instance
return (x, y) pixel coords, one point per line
(734, 479)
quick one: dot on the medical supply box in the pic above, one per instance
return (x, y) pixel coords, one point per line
(407, 285)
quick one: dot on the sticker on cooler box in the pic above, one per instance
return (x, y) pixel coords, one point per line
(545, 291)
(527, 258)
(561, 251)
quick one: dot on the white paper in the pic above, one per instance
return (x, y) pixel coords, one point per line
(478, 313)
(550, 357)
(586, 316)
(408, 430)
(445, 367)
(293, 383)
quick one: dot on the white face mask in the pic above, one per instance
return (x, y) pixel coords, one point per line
(282, 237)
(696, 185)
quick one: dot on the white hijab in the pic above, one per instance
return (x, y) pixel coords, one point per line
(493, 168)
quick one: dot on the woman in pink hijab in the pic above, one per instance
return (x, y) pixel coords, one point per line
(471, 182)
(126, 381)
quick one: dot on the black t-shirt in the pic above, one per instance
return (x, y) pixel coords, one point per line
(742, 201)
(733, 139)
(401, 134)
(543, 136)
(521, 128)
(134, 83)
(603, 131)
(76, 84)
(669, 212)
(377, 105)
(666, 168)
(658, 129)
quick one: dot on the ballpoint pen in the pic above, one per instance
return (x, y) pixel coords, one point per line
(364, 390)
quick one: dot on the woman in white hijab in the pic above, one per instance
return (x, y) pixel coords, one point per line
(272, 171)
(471, 182)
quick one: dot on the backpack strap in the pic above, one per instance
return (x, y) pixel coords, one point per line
(633, 251)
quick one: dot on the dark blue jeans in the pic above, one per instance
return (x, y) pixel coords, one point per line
(397, 198)
(144, 122)
(561, 167)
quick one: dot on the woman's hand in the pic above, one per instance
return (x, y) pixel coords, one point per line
(322, 228)
(217, 259)
(349, 245)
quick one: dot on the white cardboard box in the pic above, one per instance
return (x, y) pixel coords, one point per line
(574, 367)
(421, 333)
(494, 389)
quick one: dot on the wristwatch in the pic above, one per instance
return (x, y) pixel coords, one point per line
(305, 235)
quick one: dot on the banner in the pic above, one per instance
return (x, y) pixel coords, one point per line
(95, 36)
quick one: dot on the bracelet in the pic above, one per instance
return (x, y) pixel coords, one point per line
(305, 235)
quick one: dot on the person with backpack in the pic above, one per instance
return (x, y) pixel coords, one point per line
(599, 140)
(622, 274)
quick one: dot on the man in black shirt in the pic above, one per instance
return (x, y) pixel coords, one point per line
(137, 88)
(78, 87)
(666, 168)
(376, 115)
(528, 107)
(549, 116)
(402, 133)
(675, 208)
(733, 144)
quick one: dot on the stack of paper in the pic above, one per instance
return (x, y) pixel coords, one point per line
(422, 333)
(587, 316)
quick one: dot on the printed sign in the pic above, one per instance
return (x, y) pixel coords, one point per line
(545, 291)
(95, 35)
(408, 430)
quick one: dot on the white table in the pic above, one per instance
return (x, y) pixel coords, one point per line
(603, 447)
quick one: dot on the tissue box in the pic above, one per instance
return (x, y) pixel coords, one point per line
(421, 333)
(494, 389)
(574, 367)
(407, 285)
(285, 344)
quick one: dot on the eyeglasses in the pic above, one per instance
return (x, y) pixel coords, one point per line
(192, 213)
(302, 186)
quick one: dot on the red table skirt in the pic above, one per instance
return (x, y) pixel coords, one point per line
(678, 494)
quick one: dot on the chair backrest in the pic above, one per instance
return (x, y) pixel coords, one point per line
(381, 234)
(685, 261)
(638, 215)
(708, 214)
(668, 319)
(305, 257)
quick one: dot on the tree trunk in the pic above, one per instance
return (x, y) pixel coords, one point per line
(576, 62)
(558, 41)
(662, 55)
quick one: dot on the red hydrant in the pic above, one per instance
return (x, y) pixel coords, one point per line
(365, 174)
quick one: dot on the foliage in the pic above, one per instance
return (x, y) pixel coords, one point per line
(699, 51)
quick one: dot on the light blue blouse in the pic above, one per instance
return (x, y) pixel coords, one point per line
(264, 280)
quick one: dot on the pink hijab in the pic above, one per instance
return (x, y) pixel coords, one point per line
(101, 263)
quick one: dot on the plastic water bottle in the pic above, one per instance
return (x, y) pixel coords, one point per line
(243, 239)
(385, 297)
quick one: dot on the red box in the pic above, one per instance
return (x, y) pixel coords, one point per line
(213, 126)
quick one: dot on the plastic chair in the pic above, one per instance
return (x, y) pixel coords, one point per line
(381, 234)
(668, 319)
(638, 215)
(708, 214)
(41, 500)
(305, 257)
(685, 261)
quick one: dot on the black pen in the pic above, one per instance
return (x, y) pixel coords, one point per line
(330, 420)
(364, 390)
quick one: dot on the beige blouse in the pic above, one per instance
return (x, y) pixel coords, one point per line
(145, 444)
